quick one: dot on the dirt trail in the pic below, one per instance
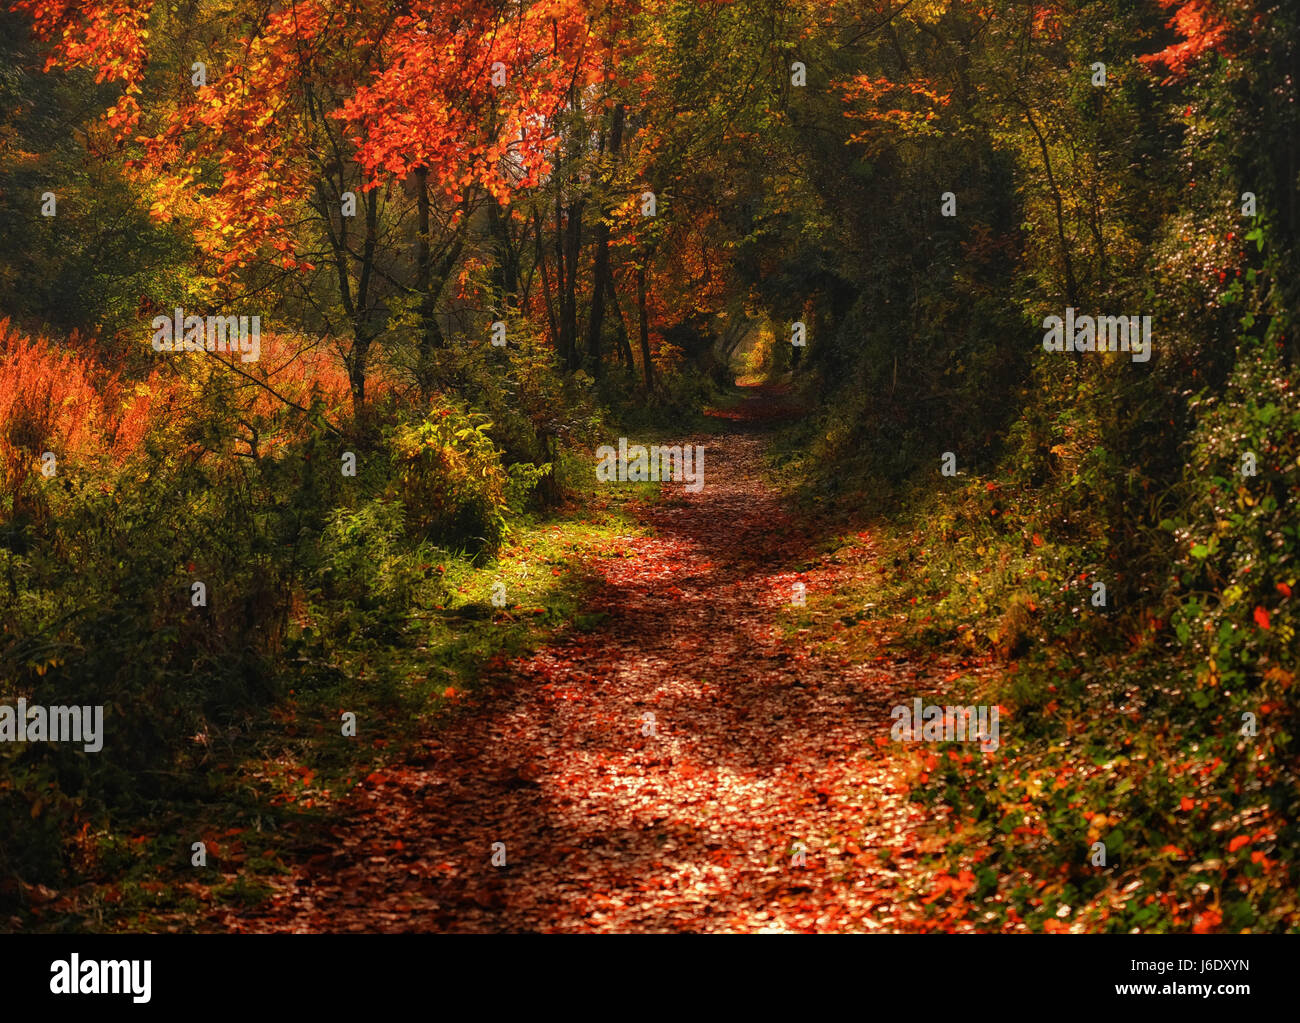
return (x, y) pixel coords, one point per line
(758, 745)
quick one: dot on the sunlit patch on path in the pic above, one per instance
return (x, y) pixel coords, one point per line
(613, 819)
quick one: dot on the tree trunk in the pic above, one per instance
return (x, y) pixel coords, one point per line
(546, 284)
(505, 272)
(600, 268)
(430, 334)
(647, 369)
(430, 281)
(1067, 264)
(356, 366)
(569, 304)
(620, 329)
(563, 339)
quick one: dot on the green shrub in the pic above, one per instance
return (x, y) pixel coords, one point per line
(367, 577)
(449, 477)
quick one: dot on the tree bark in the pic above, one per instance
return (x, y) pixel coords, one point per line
(620, 329)
(505, 273)
(430, 280)
(600, 267)
(647, 369)
(1067, 264)
(569, 303)
(546, 284)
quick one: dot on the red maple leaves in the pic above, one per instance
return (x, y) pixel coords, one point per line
(466, 91)
(1204, 29)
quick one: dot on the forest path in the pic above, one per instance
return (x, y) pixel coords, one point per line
(759, 744)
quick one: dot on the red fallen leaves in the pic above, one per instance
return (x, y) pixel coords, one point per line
(1207, 921)
(1262, 618)
(690, 829)
(945, 883)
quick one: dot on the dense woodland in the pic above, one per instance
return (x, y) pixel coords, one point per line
(485, 237)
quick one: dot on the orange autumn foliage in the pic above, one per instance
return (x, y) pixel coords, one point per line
(1203, 28)
(53, 399)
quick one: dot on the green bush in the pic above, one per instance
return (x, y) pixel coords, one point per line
(367, 576)
(449, 477)
(1239, 534)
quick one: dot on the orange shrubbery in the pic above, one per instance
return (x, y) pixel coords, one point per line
(50, 400)
(300, 373)
(297, 372)
(56, 398)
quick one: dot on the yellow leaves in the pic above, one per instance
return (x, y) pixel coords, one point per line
(930, 12)
(1280, 675)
